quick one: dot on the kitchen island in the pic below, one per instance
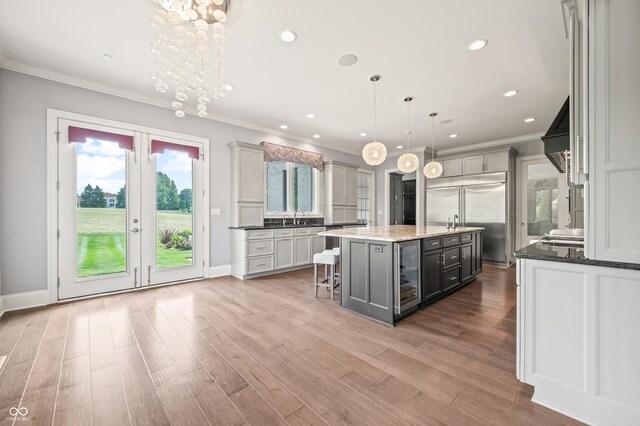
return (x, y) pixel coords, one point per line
(388, 272)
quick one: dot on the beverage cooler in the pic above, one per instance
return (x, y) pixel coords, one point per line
(407, 288)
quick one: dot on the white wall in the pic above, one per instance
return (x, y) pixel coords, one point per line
(24, 100)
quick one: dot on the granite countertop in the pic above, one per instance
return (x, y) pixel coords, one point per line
(542, 251)
(396, 233)
(311, 225)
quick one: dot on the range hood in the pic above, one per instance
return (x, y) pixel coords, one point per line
(556, 140)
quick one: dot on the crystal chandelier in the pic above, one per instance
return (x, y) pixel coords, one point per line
(185, 30)
(408, 162)
(374, 153)
(433, 168)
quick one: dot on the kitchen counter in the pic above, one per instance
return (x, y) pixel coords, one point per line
(396, 233)
(311, 225)
(542, 251)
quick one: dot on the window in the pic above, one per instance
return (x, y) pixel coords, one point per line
(364, 197)
(290, 187)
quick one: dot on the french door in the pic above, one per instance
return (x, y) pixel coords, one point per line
(130, 209)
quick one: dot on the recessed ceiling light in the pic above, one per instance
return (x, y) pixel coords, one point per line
(284, 126)
(311, 116)
(229, 87)
(454, 135)
(287, 36)
(347, 60)
(399, 147)
(316, 136)
(363, 134)
(510, 93)
(106, 57)
(477, 44)
(529, 120)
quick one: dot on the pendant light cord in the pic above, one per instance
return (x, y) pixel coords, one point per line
(433, 136)
(374, 110)
(408, 126)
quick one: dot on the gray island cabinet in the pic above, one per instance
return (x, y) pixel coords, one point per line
(388, 272)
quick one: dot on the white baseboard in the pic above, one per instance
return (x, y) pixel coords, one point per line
(219, 271)
(28, 299)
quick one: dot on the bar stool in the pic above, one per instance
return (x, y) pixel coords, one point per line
(330, 259)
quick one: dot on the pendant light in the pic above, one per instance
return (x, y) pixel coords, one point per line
(433, 169)
(408, 162)
(374, 153)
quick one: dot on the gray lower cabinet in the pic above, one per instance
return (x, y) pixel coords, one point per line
(301, 251)
(448, 262)
(284, 253)
(367, 278)
(431, 275)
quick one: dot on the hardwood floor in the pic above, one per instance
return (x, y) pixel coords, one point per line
(265, 351)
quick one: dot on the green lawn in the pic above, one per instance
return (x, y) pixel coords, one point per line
(102, 240)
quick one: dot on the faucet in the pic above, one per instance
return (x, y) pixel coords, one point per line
(284, 220)
(294, 217)
(456, 217)
(448, 223)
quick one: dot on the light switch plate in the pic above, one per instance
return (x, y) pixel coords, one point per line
(216, 212)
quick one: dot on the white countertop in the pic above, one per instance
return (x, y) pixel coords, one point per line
(396, 233)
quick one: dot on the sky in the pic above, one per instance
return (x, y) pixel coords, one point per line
(103, 163)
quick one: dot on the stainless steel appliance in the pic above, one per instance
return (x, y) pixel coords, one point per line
(564, 238)
(479, 200)
(407, 288)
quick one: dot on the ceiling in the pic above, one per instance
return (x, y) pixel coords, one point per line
(420, 49)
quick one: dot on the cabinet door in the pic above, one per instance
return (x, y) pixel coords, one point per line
(467, 262)
(317, 245)
(301, 251)
(284, 253)
(251, 173)
(338, 175)
(351, 214)
(473, 165)
(497, 162)
(452, 167)
(351, 187)
(431, 275)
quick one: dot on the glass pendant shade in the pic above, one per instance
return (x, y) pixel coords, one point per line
(374, 153)
(408, 163)
(432, 170)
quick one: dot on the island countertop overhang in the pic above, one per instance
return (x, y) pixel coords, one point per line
(397, 233)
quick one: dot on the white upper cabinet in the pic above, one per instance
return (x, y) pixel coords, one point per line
(614, 150)
(496, 162)
(247, 184)
(452, 167)
(341, 192)
(473, 165)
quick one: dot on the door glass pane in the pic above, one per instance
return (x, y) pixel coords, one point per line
(276, 186)
(302, 187)
(174, 207)
(409, 273)
(542, 199)
(101, 212)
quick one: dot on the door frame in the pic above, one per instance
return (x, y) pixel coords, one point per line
(420, 194)
(520, 177)
(53, 115)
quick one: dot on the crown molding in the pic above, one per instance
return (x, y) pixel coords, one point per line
(490, 144)
(22, 68)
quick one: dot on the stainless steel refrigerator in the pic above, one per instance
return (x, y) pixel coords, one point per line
(479, 200)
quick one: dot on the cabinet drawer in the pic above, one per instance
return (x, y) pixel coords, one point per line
(451, 257)
(288, 232)
(450, 279)
(257, 234)
(259, 264)
(302, 231)
(451, 240)
(259, 248)
(431, 244)
(464, 238)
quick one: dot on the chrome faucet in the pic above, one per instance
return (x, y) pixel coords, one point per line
(294, 217)
(284, 220)
(456, 217)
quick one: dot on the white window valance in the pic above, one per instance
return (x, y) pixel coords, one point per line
(274, 152)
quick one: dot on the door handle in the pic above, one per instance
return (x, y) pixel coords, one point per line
(135, 230)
